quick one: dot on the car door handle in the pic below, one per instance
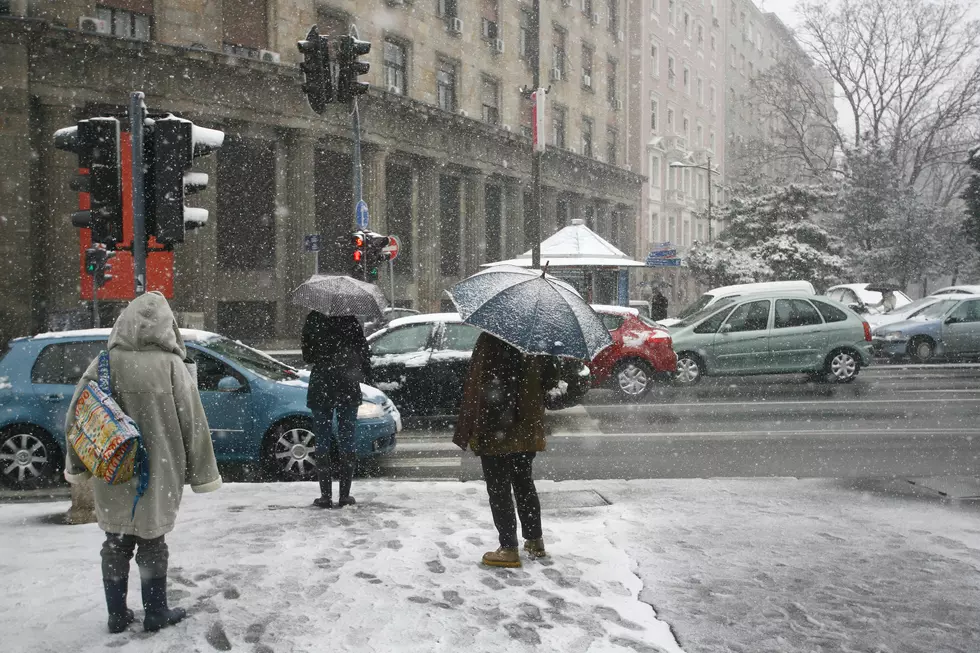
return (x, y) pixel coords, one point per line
(54, 397)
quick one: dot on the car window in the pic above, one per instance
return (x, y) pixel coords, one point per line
(64, 363)
(699, 305)
(459, 337)
(611, 322)
(751, 316)
(210, 370)
(849, 297)
(712, 323)
(830, 313)
(967, 311)
(795, 313)
(403, 340)
(936, 310)
(836, 295)
(710, 310)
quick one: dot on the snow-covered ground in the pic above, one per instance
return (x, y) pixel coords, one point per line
(733, 565)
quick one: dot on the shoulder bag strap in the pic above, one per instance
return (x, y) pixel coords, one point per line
(104, 372)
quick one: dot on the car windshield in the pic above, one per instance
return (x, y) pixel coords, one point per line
(913, 307)
(937, 310)
(696, 306)
(250, 359)
(704, 313)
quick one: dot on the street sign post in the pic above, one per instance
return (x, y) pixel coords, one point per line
(312, 243)
(392, 250)
(361, 214)
(663, 262)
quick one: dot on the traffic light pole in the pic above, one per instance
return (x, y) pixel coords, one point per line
(96, 322)
(356, 156)
(136, 114)
(534, 224)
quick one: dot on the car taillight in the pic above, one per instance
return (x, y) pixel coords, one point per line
(867, 331)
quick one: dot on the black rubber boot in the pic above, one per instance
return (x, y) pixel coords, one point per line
(115, 600)
(347, 466)
(158, 615)
(326, 492)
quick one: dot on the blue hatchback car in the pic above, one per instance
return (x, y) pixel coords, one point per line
(949, 328)
(256, 406)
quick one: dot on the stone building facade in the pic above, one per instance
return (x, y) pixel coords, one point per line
(445, 143)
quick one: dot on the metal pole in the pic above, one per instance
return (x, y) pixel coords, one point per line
(139, 210)
(709, 199)
(534, 225)
(358, 189)
(391, 280)
(96, 323)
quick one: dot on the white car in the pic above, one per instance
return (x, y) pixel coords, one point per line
(958, 290)
(857, 297)
(722, 292)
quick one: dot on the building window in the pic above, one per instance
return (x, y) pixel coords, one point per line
(687, 26)
(446, 86)
(670, 120)
(394, 66)
(587, 57)
(525, 36)
(447, 9)
(687, 80)
(671, 74)
(734, 57)
(711, 98)
(655, 171)
(613, 8)
(700, 90)
(126, 24)
(655, 59)
(490, 20)
(491, 100)
(700, 40)
(587, 137)
(245, 25)
(711, 140)
(741, 64)
(654, 111)
(612, 80)
(558, 53)
(733, 11)
(558, 127)
(714, 44)
(587, 8)
(751, 69)
(612, 146)
(246, 208)
(686, 127)
(672, 13)
(699, 139)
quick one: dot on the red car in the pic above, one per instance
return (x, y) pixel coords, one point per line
(641, 353)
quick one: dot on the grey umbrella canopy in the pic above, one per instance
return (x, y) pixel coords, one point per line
(532, 311)
(340, 295)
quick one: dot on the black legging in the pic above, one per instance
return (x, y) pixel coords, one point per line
(501, 474)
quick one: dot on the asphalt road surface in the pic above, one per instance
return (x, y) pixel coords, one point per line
(893, 421)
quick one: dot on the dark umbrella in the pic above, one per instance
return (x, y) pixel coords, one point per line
(532, 311)
(882, 287)
(340, 295)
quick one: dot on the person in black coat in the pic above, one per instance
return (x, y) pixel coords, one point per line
(338, 352)
(658, 305)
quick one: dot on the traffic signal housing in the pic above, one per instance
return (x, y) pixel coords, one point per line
(97, 264)
(349, 67)
(374, 254)
(95, 142)
(169, 151)
(357, 255)
(316, 67)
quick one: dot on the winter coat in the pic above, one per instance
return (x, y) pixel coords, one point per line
(658, 306)
(503, 399)
(338, 352)
(152, 384)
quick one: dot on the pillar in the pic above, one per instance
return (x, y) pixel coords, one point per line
(549, 211)
(513, 219)
(427, 237)
(373, 164)
(474, 240)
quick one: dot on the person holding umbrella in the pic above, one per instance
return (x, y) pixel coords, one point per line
(334, 345)
(528, 319)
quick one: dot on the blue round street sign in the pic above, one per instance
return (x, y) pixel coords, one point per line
(361, 214)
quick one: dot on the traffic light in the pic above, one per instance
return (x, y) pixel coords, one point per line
(316, 67)
(374, 254)
(97, 264)
(96, 143)
(171, 145)
(357, 243)
(349, 67)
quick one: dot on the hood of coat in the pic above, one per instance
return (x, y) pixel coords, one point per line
(147, 323)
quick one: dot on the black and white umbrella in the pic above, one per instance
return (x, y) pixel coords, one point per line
(532, 311)
(340, 295)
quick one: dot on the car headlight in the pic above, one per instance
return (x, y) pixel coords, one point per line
(892, 336)
(369, 410)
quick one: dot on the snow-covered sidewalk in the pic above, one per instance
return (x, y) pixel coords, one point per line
(734, 565)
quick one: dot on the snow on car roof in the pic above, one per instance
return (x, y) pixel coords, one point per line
(423, 318)
(611, 308)
(193, 335)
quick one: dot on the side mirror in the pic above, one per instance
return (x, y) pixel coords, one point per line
(725, 328)
(857, 308)
(229, 384)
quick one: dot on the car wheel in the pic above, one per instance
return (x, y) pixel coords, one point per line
(690, 369)
(843, 366)
(922, 349)
(290, 453)
(633, 379)
(29, 457)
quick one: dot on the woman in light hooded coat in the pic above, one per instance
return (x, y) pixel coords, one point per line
(153, 385)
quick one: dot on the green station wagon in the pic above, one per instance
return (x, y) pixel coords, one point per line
(772, 334)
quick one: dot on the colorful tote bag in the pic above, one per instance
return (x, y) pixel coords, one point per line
(106, 439)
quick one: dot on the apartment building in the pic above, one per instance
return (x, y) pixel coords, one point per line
(445, 133)
(677, 121)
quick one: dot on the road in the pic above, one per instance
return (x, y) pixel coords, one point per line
(906, 421)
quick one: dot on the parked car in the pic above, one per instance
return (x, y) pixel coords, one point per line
(389, 315)
(949, 328)
(859, 299)
(905, 312)
(772, 334)
(958, 290)
(421, 362)
(716, 294)
(641, 353)
(256, 406)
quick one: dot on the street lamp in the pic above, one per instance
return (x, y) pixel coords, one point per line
(708, 168)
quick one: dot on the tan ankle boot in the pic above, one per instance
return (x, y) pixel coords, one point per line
(535, 548)
(502, 557)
